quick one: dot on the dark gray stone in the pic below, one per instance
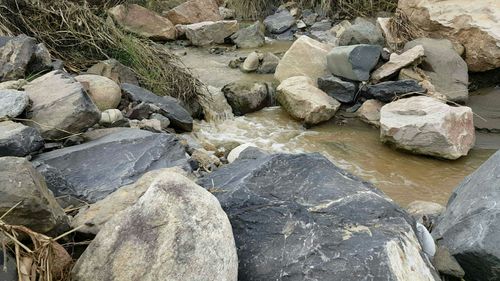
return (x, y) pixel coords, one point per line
(279, 22)
(99, 167)
(18, 140)
(323, 25)
(268, 64)
(246, 97)
(343, 91)
(250, 37)
(299, 217)
(15, 56)
(12, 103)
(447, 265)
(390, 90)
(309, 17)
(353, 62)
(470, 226)
(170, 107)
(8, 270)
(288, 35)
(362, 32)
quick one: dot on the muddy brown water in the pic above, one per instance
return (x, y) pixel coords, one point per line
(351, 144)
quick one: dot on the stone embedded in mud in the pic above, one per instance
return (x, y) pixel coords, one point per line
(306, 57)
(304, 101)
(245, 97)
(12, 103)
(18, 140)
(176, 231)
(194, 11)
(369, 112)
(470, 225)
(279, 22)
(115, 71)
(361, 32)
(342, 91)
(391, 90)
(250, 37)
(424, 125)
(315, 222)
(397, 62)
(353, 62)
(104, 92)
(211, 32)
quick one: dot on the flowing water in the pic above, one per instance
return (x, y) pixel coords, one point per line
(349, 143)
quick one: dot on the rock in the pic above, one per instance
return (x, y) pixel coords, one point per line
(143, 22)
(301, 24)
(362, 32)
(164, 121)
(391, 90)
(98, 167)
(306, 57)
(146, 124)
(339, 28)
(104, 92)
(59, 102)
(470, 225)
(42, 60)
(9, 268)
(268, 64)
(353, 62)
(15, 56)
(303, 101)
(302, 216)
(251, 63)
(115, 71)
(397, 62)
(111, 116)
(210, 32)
(384, 25)
(176, 231)
(486, 105)
(323, 25)
(246, 97)
(446, 264)
(446, 69)
(12, 103)
(20, 182)
(279, 22)
(424, 125)
(473, 24)
(236, 152)
(250, 37)
(194, 11)
(369, 112)
(226, 13)
(169, 106)
(426, 240)
(343, 91)
(425, 213)
(18, 140)
(13, 84)
(205, 160)
(309, 17)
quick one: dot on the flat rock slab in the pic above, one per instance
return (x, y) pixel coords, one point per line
(93, 170)
(391, 90)
(12, 103)
(302, 217)
(397, 62)
(18, 140)
(353, 62)
(210, 32)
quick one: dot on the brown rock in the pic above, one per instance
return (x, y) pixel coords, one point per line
(369, 112)
(194, 11)
(115, 71)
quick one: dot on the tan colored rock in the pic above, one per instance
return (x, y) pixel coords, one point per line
(209, 32)
(115, 71)
(251, 63)
(390, 39)
(104, 92)
(143, 22)
(300, 97)
(306, 57)
(397, 62)
(474, 24)
(369, 112)
(194, 11)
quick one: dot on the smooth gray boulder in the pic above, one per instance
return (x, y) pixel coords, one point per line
(470, 226)
(268, 64)
(60, 106)
(18, 140)
(39, 211)
(246, 97)
(362, 32)
(302, 217)
(445, 68)
(92, 170)
(12, 103)
(343, 91)
(177, 231)
(250, 37)
(353, 62)
(279, 22)
(169, 107)
(391, 90)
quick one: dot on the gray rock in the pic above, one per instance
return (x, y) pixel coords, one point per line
(251, 63)
(342, 91)
(268, 64)
(12, 103)
(309, 17)
(39, 211)
(227, 14)
(470, 225)
(245, 97)
(18, 140)
(42, 60)
(447, 71)
(176, 231)
(164, 121)
(486, 105)
(323, 25)
(446, 264)
(8, 270)
(279, 22)
(303, 217)
(362, 32)
(353, 62)
(15, 56)
(391, 90)
(250, 37)
(169, 106)
(96, 168)
(60, 106)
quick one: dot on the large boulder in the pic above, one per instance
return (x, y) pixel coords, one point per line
(353, 62)
(246, 97)
(15, 56)
(300, 217)
(176, 231)
(474, 24)
(115, 71)
(143, 22)
(361, 32)
(194, 11)
(60, 105)
(104, 92)
(424, 125)
(446, 70)
(250, 37)
(304, 101)
(210, 32)
(18, 140)
(470, 225)
(279, 22)
(12, 103)
(96, 168)
(169, 106)
(306, 57)
(38, 210)
(397, 62)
